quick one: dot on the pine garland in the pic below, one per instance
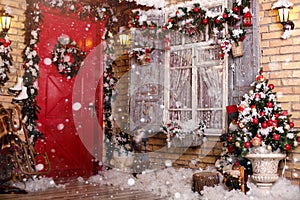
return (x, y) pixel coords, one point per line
(5, 59)
(192, 20)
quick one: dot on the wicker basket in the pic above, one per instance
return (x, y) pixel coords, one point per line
(237, 49)
(190, 140)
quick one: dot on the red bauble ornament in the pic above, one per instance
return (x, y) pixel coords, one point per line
(144, 27)
(231, 149)
(217, 21)
(255, 121)
(264, 125)
(298, 139)
(257, 96)
(196, 9)
(205, 21)
(275, 123)
(253, 106)
(170, 20)
(287, 147)
(269, 104)
(3, 40)
(276, 115)
(229, 138)
(260, 78)
(262, 113)
(292, 124)
(276, 137)
(271, 86)
(270, 122)
(285, 113)
(235, 9)
(137, 17)
(225, 15)
(151, 27)
(247, 145)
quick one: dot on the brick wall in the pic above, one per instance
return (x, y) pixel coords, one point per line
(16, 35)
(281, 61)
(120, 106)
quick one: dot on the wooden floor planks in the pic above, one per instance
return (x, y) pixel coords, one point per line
(77, 190)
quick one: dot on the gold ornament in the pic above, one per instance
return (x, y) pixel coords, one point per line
(256, 142)
(287, 127)
(269, 147)
(237, 144)
(296, 143)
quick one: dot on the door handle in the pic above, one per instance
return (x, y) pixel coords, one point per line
(92, 109)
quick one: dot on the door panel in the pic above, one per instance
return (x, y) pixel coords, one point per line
(68, 153)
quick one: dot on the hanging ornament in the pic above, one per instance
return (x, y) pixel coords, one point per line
(247, 19)
(205, 21)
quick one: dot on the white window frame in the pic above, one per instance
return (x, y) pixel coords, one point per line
(224, 65)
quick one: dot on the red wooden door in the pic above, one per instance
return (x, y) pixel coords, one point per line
(68, 118)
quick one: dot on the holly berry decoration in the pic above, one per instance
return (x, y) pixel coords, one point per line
(5, 42)
(236, 9)
(287, 147)
(255, 121)
(271, 86)
(276, 137)
(269, 104)
(260, 78)
(264, 125)
(205, 21)
(247, 145)
(229, 138)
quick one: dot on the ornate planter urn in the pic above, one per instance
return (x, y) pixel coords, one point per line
(265, 167)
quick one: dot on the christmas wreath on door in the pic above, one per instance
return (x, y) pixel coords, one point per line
(67, 57)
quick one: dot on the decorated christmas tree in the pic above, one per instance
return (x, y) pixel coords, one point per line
(262, 124)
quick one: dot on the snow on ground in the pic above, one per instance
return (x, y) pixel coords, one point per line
(176, 184)
(38, 184)
(173, 184)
